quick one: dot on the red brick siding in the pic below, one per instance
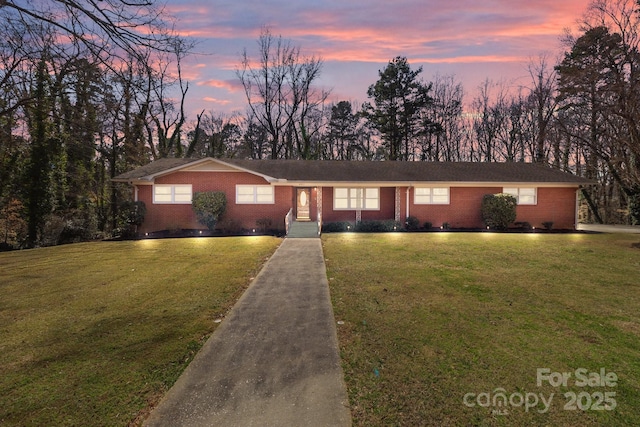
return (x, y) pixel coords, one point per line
(168, 216)
(463, 210)
(553, 204)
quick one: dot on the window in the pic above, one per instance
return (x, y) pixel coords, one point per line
(356, 198)
(172, 194)
(524, 195)
(431, 195)
(254, 194)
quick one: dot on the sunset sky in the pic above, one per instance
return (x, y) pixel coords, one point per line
(473, 40)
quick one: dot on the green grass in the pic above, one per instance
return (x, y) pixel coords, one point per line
(93, 334)
(431, 317)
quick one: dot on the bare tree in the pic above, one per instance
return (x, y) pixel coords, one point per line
(279, 87)
(543, 101)
(101, 26)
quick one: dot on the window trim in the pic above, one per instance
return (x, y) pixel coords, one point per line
(516, 194)
(360, 198)
(430, 196)
(255, 195)
(172, 194)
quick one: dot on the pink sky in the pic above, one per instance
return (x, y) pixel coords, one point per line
(473, 40)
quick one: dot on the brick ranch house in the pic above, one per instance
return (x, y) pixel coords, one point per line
(330, 191)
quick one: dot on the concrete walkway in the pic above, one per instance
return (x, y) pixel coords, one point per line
(602, 228)
(274, 360)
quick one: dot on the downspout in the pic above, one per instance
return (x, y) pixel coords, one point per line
(135, 193)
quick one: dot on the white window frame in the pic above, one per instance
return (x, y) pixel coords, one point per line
(431, 195)
(172, 194)
(523, 199)
(354, 198)
(255, 194)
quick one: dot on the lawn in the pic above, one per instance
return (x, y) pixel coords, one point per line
(439, 328)
(93, 334)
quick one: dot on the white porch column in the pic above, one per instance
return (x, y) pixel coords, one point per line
(319, 203)
(397, 211)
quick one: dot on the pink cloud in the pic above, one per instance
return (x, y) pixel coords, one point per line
(216, 101)
(356, 38)
(230, 85)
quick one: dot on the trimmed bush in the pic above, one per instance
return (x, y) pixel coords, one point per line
(427, 225)
(263, 224)
(548, 225)
(209, 206)
(377, 226)
(335, 227)
(412, 223)
(498, 210)
(230, 226)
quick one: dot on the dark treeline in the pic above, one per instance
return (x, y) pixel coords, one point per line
(74, 112)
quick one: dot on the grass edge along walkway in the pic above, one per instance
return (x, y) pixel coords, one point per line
(94, 333)
(430, 317)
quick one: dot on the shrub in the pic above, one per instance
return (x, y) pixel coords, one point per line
(634, 208)
(445, 226)
(427, 225)
(209, 206)
(230, 226)
(133, 212)
(335, 227)
(13, 229)
(548, 225)
(412, 223)
(263, 224)
(377, 226)
(498, 210)
(52, 230)
(523, 225)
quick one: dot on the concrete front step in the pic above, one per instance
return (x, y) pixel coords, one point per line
(303, 229)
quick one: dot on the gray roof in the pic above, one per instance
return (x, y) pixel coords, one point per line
(377, 171)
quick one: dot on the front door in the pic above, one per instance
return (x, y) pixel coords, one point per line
(303, 200)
